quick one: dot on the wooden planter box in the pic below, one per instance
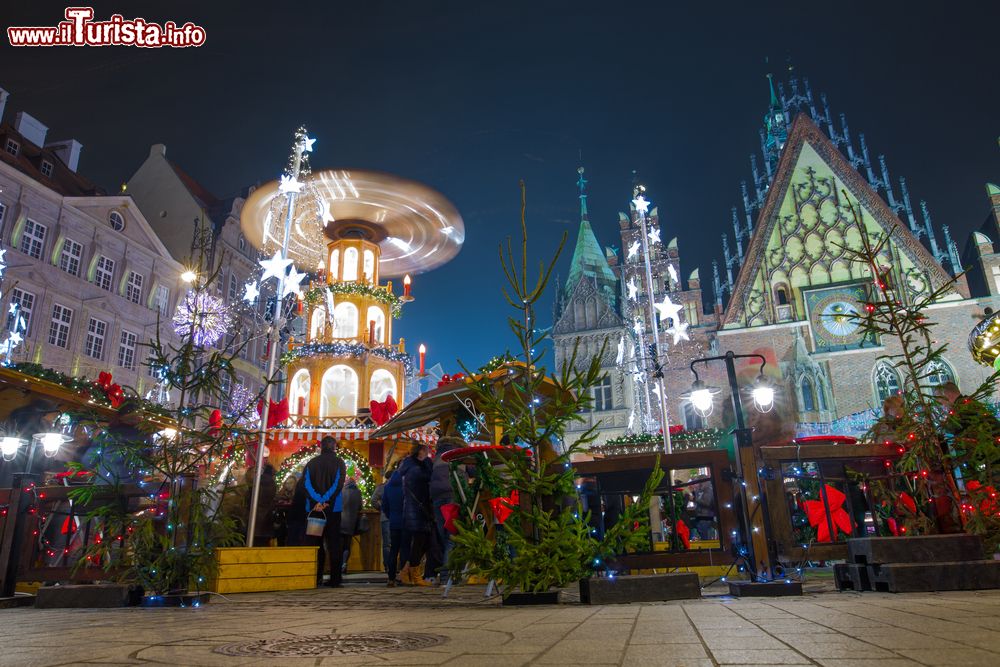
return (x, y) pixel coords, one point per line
(258, 569)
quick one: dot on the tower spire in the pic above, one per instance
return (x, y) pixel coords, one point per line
(582, 184)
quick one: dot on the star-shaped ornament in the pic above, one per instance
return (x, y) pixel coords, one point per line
(656, 390)
(641, 205)
(621, 351)
(638, 327)
(307, 144)
(289, 184)
(274, 267)
(668, 309)
(654, 236)
(633, 249)
(292, 282)
(633, 289)
(673, 273)
(12, 308)
(679, 331)
(14, 340)
(250, 292)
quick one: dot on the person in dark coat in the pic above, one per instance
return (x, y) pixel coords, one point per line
(349, 517)
(324, 482)
(263, 529)
(417, 511)
(442, 493)
(392, 505)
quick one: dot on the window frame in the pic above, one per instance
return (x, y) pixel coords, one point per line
(17, 296)
(46, 168)
(65, 258)
(60, 325)
(133, 287)
(101, 271)
(127, 344)
(95, 341)
(112, 216)
(16, 147)
(30, 237)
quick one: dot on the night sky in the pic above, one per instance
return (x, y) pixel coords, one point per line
(471, 97)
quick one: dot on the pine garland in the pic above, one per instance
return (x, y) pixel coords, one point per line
(83, 386)
(366, 481)
(315, 295)
(342, 349)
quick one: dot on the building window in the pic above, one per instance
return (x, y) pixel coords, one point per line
(350, 264)
(116, 220)
(996, 277)
(938, 373)
(25, 302)
(46, 168)
(243, 243)
(808, 397)
(96, 332)
(601, 393)
(226, 386)
(885, 380)
(162, 299)
(298, 393)
(338, 392)
(3, 216)
(821, 394)
(133, 288)
(33, 239)
(13, 147)
(126, 350)
(382, 385)
(69, 259)
(234, 287)
(105, 272)
(62, 319)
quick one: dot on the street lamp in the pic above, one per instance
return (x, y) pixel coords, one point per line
(702, 397)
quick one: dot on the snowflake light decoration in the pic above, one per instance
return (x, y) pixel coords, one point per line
(203, 317)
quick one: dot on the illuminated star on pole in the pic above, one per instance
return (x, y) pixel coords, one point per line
(668, 309)
(638, 327)
(289, 184)
(307, 144)
(15, 339)
(673, 273)
(633, 249)
(292, 282)
(274, 267)
(12, 308)
(633, 289)
(654, 236)
(641, 205)
(679, 332)
(656, 390)
(250, 292)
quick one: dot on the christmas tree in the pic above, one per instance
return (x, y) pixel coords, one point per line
(541, 537)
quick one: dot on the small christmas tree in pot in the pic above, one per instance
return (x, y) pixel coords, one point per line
(539, 538)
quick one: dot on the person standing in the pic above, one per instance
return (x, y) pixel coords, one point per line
(417, 512)
(442, 493)
(349, 517)
(324, 482)
(392, 506)
(378, 497)
(264, 522)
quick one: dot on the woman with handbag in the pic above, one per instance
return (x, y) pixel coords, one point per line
(349, 517)
(417, 512)
(323, 480)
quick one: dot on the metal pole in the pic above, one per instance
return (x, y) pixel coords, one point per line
(650, 308)
(743, 440)
(272, 361)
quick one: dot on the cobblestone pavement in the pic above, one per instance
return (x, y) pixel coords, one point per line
(373, 625)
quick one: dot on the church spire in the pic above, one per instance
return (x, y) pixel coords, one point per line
(775, 132)
(582, 184)
(589, 259)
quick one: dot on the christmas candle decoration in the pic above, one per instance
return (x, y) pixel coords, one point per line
(371, 332)
(423, 358)
(319, 271)
(406, 285)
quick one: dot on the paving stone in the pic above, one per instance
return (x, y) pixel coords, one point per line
(967, 657)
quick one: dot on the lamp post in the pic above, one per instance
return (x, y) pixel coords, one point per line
(11, 545)
(702, 398)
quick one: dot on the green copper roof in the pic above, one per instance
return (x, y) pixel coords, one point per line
(992, 189)
(588, 260)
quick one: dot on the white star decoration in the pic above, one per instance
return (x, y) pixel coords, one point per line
(631, 420)
(633, 289)
(274, 267)
(668, 309)
(638, 327)
(15, 339)
(656, 390)
(633, 249)
(292, 282)
(679, 332)
(250, 292)
(654, 236)
(621, 351)
(289, 184)
(12, 309)
(641, 205)
(673, 273)
(307, 144)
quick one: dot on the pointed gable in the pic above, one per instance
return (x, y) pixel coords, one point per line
(589, 261)
(797, 242)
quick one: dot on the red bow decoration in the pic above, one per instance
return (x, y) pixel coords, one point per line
(214, 422)
(816, 513)
(112, 392)
(986, 496)
(504, 507)
(383, 412)
(907, 502)
(449, 512)
(683, 532)
(276, 413)
(448, 379)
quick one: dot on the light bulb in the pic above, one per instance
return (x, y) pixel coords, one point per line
(9, 447)
(51, 442)
(701, 399)
(189, 276)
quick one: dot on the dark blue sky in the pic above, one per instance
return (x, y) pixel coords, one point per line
(470, 97)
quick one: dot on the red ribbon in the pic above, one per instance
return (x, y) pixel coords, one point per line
(683, 532)
(214, 422)
(907, 501)
(816, 513)
(383, 412)
(276, 413)
(449, 511)
(504, 507)
(112, 392)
